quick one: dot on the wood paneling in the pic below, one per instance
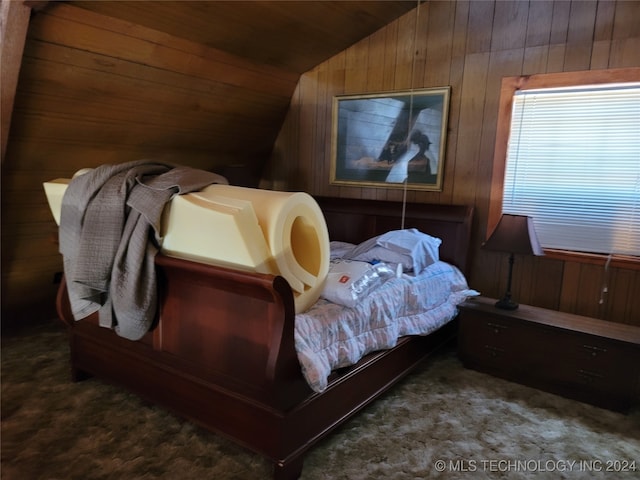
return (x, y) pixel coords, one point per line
(94, 90)
(290, 35)
(15, 19)
(107, 82)
(471, 46)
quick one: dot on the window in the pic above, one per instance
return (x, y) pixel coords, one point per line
(573, 160)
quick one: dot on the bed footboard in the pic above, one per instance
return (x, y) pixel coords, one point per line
(221, 353)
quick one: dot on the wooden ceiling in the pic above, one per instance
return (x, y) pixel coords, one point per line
(205, 83)
(290, 35)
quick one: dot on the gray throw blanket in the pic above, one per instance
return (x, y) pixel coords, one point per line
(109, 236)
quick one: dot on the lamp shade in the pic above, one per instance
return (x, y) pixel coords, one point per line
(514, 234)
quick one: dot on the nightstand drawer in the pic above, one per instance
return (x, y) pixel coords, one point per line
(587, 376)
(596, 363)
(483, 328)
(599, 353)
(500, 344)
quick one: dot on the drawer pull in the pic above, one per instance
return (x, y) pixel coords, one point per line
(493, 351)
(497, 328)
(594, 350)
(589, 376)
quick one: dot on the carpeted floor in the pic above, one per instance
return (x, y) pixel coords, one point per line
(442, 422)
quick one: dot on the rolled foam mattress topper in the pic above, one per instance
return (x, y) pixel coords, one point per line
(265, 231)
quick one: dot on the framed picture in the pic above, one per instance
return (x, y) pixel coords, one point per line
(385, 140)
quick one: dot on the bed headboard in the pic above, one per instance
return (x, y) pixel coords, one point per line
(356, 220)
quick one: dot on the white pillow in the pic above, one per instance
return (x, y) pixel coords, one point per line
(411, 248)
(423, 249)
(382, 254)
(349, 281)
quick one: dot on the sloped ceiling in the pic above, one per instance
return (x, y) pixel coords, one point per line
(291, 35)
(202, 82)
(280, 39)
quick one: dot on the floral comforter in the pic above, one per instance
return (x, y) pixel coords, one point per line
(330, 336)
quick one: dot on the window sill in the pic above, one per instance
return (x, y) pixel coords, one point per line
(617, 261)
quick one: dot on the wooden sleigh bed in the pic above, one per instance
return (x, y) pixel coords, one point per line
(222, 352)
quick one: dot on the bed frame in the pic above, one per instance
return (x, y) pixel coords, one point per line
(222, 355)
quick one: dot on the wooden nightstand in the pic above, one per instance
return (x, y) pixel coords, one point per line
(586, 359)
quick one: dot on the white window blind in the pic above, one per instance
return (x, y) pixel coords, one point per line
(573, 164)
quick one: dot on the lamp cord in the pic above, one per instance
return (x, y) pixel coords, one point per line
(605, 289)
(404, 203)
(414, 54)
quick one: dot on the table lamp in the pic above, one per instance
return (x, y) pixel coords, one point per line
(513, 234)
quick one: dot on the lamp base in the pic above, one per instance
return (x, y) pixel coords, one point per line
(506, 304)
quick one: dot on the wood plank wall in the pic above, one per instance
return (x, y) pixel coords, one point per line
(94, 90)
(14, 17)
(471, 46)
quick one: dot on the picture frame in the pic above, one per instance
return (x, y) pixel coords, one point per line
(389, 139)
